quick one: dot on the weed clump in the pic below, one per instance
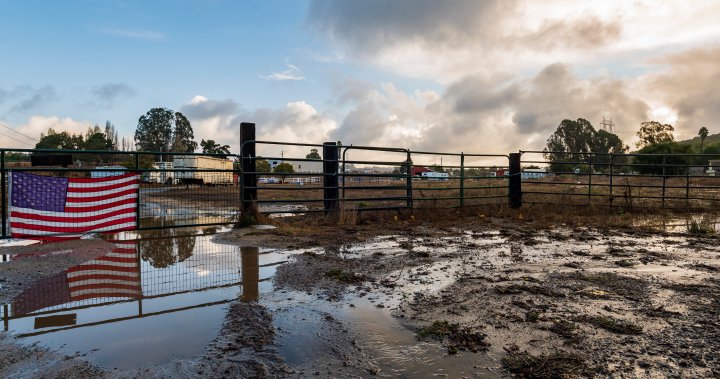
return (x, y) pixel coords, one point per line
(565, 329)
(345, 276)
(630, 288)
(558, 364)
(532, 316)
(625, 263)
(614, 325)
(700, 228)
(458, 337)
(516, 289)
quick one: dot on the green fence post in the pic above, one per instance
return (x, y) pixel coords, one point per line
(462, 179)
(248, 164)
(612, 156)
(515, 181)
(590, 175)
(409, 164)
(331, 191)
(663, 180)
(4, 193)
(137, 198)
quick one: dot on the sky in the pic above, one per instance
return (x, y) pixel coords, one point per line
(477, 76)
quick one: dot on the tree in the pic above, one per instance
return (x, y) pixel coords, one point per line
(653, 132)
(703, 133)
(577, 143)
(112, 135)
(403, 169)
(313, 154)
(262, 165)
(163, 130)
(211, 147)
(55, 140)
(183, 138)
(675, 158)
(283, 169)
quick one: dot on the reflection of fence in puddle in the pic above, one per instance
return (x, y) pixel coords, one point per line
(177, 269)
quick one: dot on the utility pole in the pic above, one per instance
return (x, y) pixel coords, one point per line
(607, 125)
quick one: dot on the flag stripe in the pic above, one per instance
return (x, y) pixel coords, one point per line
(101, 207)
(93, 295)
(103, 285)
(88, 206)
(106, 179)
(59, 227)
(95, 197)
(33, 233)
(77, 188)
(99, 192)
(105, 277)
(84, 216)
(123, 217)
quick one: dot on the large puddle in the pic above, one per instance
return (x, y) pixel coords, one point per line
(153, 299)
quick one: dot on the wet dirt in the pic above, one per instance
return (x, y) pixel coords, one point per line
(354, 301)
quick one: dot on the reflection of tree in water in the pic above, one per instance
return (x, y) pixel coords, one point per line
(161, 248)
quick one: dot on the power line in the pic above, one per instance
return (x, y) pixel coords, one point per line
(1, 134)
(24, 135)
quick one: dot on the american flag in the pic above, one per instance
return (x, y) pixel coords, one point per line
(113, 275)
(65, 208)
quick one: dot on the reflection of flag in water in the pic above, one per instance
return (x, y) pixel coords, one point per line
(113, 275)
(116, 274)
(43, 205)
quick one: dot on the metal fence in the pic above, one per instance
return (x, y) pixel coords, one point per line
(285, 178)
(666, 181)
(164, 189)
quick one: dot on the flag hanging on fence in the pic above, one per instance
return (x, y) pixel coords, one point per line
(113, 275)
(66, 208)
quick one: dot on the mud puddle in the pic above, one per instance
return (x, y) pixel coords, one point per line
(157, 299)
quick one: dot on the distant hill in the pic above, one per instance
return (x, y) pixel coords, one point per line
(695, 142)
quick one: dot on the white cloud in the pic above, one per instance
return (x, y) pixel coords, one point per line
(295, 122)
(40, 124)
(444, 41)
(292, 73)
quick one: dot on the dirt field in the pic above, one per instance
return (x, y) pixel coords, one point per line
(499, 293)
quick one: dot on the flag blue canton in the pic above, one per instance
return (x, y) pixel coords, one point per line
(43, 193)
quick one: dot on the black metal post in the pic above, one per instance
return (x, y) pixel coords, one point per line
(247, 158)
(137, 198)
(612, 156)
(3, 179)
(663, 180)
(409, 193)
(6, 317)
(331, 191)
(515, 181)
(462, 179)
(687, 181)
(590, 175)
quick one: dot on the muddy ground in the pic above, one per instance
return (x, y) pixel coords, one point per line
(524, 295)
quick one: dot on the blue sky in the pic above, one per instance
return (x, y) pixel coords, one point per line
(451, 75)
